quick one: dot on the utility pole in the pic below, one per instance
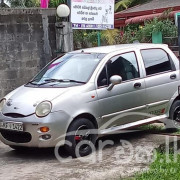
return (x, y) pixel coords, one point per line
(99, 38)
(69, 3)
(178, 18)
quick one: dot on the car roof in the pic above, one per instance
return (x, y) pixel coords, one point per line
(112, 48)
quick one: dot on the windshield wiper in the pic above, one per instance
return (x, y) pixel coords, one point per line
(61, 80)
(34, 80)
(31, 82)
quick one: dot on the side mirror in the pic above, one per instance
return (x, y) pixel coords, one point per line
(114, 81)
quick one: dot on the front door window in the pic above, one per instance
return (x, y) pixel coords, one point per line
(124, 65)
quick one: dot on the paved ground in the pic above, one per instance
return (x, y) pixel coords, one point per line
(42, 164)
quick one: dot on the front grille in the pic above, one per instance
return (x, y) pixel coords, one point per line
(16, 136)
(14, 115)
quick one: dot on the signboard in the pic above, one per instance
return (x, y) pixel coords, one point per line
(176, 18)
(92, 14)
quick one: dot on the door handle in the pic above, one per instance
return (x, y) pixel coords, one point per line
(137, 85)
(173, 76)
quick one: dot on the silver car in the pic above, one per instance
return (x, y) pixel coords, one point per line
(104, 89)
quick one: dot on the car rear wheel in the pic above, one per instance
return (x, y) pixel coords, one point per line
(81, 137)
(174, 116)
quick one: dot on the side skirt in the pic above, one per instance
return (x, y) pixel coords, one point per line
(126, 127)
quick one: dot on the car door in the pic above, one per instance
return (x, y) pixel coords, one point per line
(122, 104)
(161, 79)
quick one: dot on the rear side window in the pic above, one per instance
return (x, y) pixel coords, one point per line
(156, 61)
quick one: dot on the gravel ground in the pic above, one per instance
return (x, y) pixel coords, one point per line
(132, 154)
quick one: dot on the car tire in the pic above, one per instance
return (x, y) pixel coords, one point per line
(174, 115)
(82, 137)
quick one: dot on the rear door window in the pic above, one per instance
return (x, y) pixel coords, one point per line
(156, 61)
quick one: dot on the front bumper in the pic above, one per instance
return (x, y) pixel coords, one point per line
(32, 136)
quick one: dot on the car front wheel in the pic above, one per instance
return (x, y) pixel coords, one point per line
(81, 137)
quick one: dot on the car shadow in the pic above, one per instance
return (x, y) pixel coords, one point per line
(48, 154)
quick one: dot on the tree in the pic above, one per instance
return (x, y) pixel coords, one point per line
(124, 4)
(24, 3)
(110, 36)
(34, 3)
(56, 3)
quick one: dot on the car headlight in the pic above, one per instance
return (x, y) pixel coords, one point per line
(43, 109)
(2, 103)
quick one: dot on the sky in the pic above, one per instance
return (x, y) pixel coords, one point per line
(6, 2)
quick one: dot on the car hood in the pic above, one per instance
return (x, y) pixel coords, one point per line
(25, 99)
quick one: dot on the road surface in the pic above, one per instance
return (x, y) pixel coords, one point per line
(132, 154)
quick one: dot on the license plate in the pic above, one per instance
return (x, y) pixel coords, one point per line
(11, 126)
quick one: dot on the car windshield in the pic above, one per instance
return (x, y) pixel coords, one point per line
(72, 68)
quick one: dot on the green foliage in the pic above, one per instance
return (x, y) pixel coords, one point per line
(124, 4)
(178, 132)
(88, 38)
(144, 33)
(129, 35)
(162, 168)
(34, 3)
(24, 3)
(167, 27)
(56, 3)
(84, 38)
(111, 36)
(152, 127)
